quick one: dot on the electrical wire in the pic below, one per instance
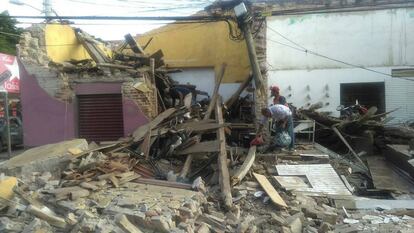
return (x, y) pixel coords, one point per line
(307, 51)
(149, 18)
(129, 6)
(10, 34)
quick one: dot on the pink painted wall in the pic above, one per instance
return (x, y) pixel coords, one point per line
(48, 120)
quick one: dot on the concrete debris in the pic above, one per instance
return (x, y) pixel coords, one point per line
(191, 167)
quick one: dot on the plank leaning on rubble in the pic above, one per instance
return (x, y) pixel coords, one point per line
(270, 190)
(244, 169)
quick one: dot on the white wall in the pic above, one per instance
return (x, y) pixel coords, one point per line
(381, 40)
(204, 78)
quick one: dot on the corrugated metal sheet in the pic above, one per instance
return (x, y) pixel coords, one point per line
(100, 117)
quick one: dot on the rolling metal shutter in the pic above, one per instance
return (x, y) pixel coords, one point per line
(100, 117)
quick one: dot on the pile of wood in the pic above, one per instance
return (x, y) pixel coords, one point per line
(366, 135)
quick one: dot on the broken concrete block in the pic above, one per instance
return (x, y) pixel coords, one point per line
(71, 219)
(329, 217)
(160, 224)
(245, 224)
(279, 220)
(52, 158)
(37, 226)
(295, 222)
(185, 213)
(186, 227)
(325, 227)
(8, 225)
(203, 228)
(310, 229)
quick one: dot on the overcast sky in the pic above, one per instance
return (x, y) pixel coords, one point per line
(108, 30)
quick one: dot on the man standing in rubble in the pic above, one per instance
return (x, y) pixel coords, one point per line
(178, 93)
(277, 98)
(282, 115)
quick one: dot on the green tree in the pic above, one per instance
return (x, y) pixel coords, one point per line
(9, 34)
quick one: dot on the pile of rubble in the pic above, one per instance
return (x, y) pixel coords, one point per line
(169, 176)
(191, 168)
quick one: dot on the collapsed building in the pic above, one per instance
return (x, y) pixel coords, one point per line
(186, 168)
(57, 96)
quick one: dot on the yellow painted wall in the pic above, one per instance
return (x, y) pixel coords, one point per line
(62, 44)
(197, 45)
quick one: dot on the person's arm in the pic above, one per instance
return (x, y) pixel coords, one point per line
(262, 124)
(181, 96)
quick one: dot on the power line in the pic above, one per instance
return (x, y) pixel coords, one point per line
(9, 34)
(307, 51)
(175, 6)
(150, 18)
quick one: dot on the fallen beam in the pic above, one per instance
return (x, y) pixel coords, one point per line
(143, 130)
(163, 183)
(201, 147)
(215, 96)
(244, 169)
(123, 222)
(224, 176)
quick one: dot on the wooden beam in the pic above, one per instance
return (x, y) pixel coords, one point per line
(122, 221)
(224, 176)
(142, 130)
(350, 148)
(244, 169)
(270, 190)
(51, 219)
(229, 103)
(214, 97)
(187, 166)
(201, 147)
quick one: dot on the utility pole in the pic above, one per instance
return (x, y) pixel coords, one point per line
(244, 20)
(47, 8)
(7, 122)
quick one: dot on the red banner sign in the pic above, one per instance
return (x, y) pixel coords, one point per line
(9, 74)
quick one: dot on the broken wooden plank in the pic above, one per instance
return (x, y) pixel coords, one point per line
(386, 178)
(74, 195)
(51, 219)
(244, 169)
(93, 50)
(201, 147)
(291, 182)
(123, 222)
(224, 176)
(214, 97)
(145, 146)
(135, 47)
(142, 130)
(270, 190)
(349, 147)
(187, 166)
(114, 181)
(215, 224)
(229, 103)
(163, 183)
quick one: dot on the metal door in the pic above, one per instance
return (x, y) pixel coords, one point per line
(100, 117)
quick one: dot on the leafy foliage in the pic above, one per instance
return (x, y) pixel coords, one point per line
(8, 34)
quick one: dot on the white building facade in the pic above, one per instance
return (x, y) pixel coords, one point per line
(380, 40)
